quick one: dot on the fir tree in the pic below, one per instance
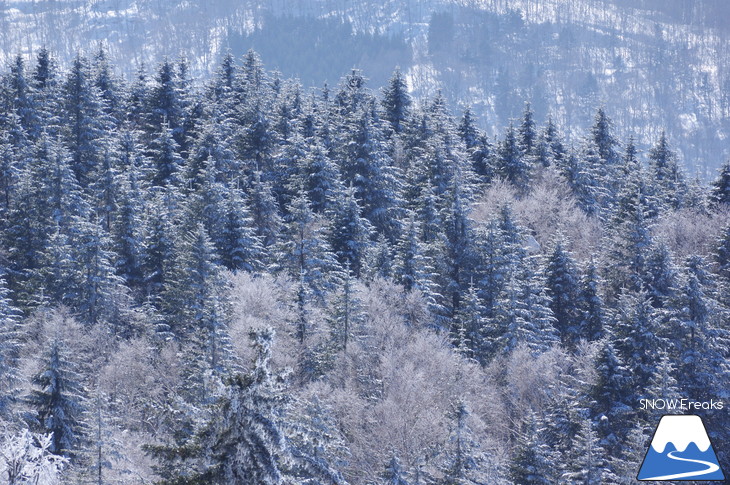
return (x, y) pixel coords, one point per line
(721, 186)
(523, 316)
(264, 211)
(192, 283)
(394, 473)
(346, 315)
(532, 463)
(85, 125)
(414, 268)
(467, 130)
(661, 276)
(59, 402)
(242, 441)
(353, 95)
(165, 105)
(562, 287)
(611, 397)
(10, 171)
(397, 102)
(464, 462)
(668, 177)
(468, 328)
(586, 463)
(590, 305)
(527, 133)
(350, 233)
(556, 152)
(107, 83)
(320, 178)
(20, 92)
(158, 247)
(722, 253)
(165, 157)
(367, 167)
(630, 241)
(638, 338)
(10, 348)
(603, 139)
(316, 445)
(97, 293)
(126, 230)
(237, 243)
(44, 73)
(483, 163)
(304, 251)
(698, 338)
(511, 161)
(582, 181)
(459, 246)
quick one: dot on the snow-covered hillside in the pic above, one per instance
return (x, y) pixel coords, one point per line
(652, 70)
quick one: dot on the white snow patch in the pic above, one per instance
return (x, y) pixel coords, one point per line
(689, 122)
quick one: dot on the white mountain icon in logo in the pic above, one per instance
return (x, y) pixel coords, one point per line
(680, 450)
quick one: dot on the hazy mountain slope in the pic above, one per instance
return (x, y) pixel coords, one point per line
(654, 65)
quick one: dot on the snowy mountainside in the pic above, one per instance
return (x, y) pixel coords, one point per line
(654, 65)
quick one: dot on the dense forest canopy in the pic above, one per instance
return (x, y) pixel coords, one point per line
(249, 281)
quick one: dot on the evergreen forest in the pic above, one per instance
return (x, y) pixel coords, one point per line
(243, 280)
